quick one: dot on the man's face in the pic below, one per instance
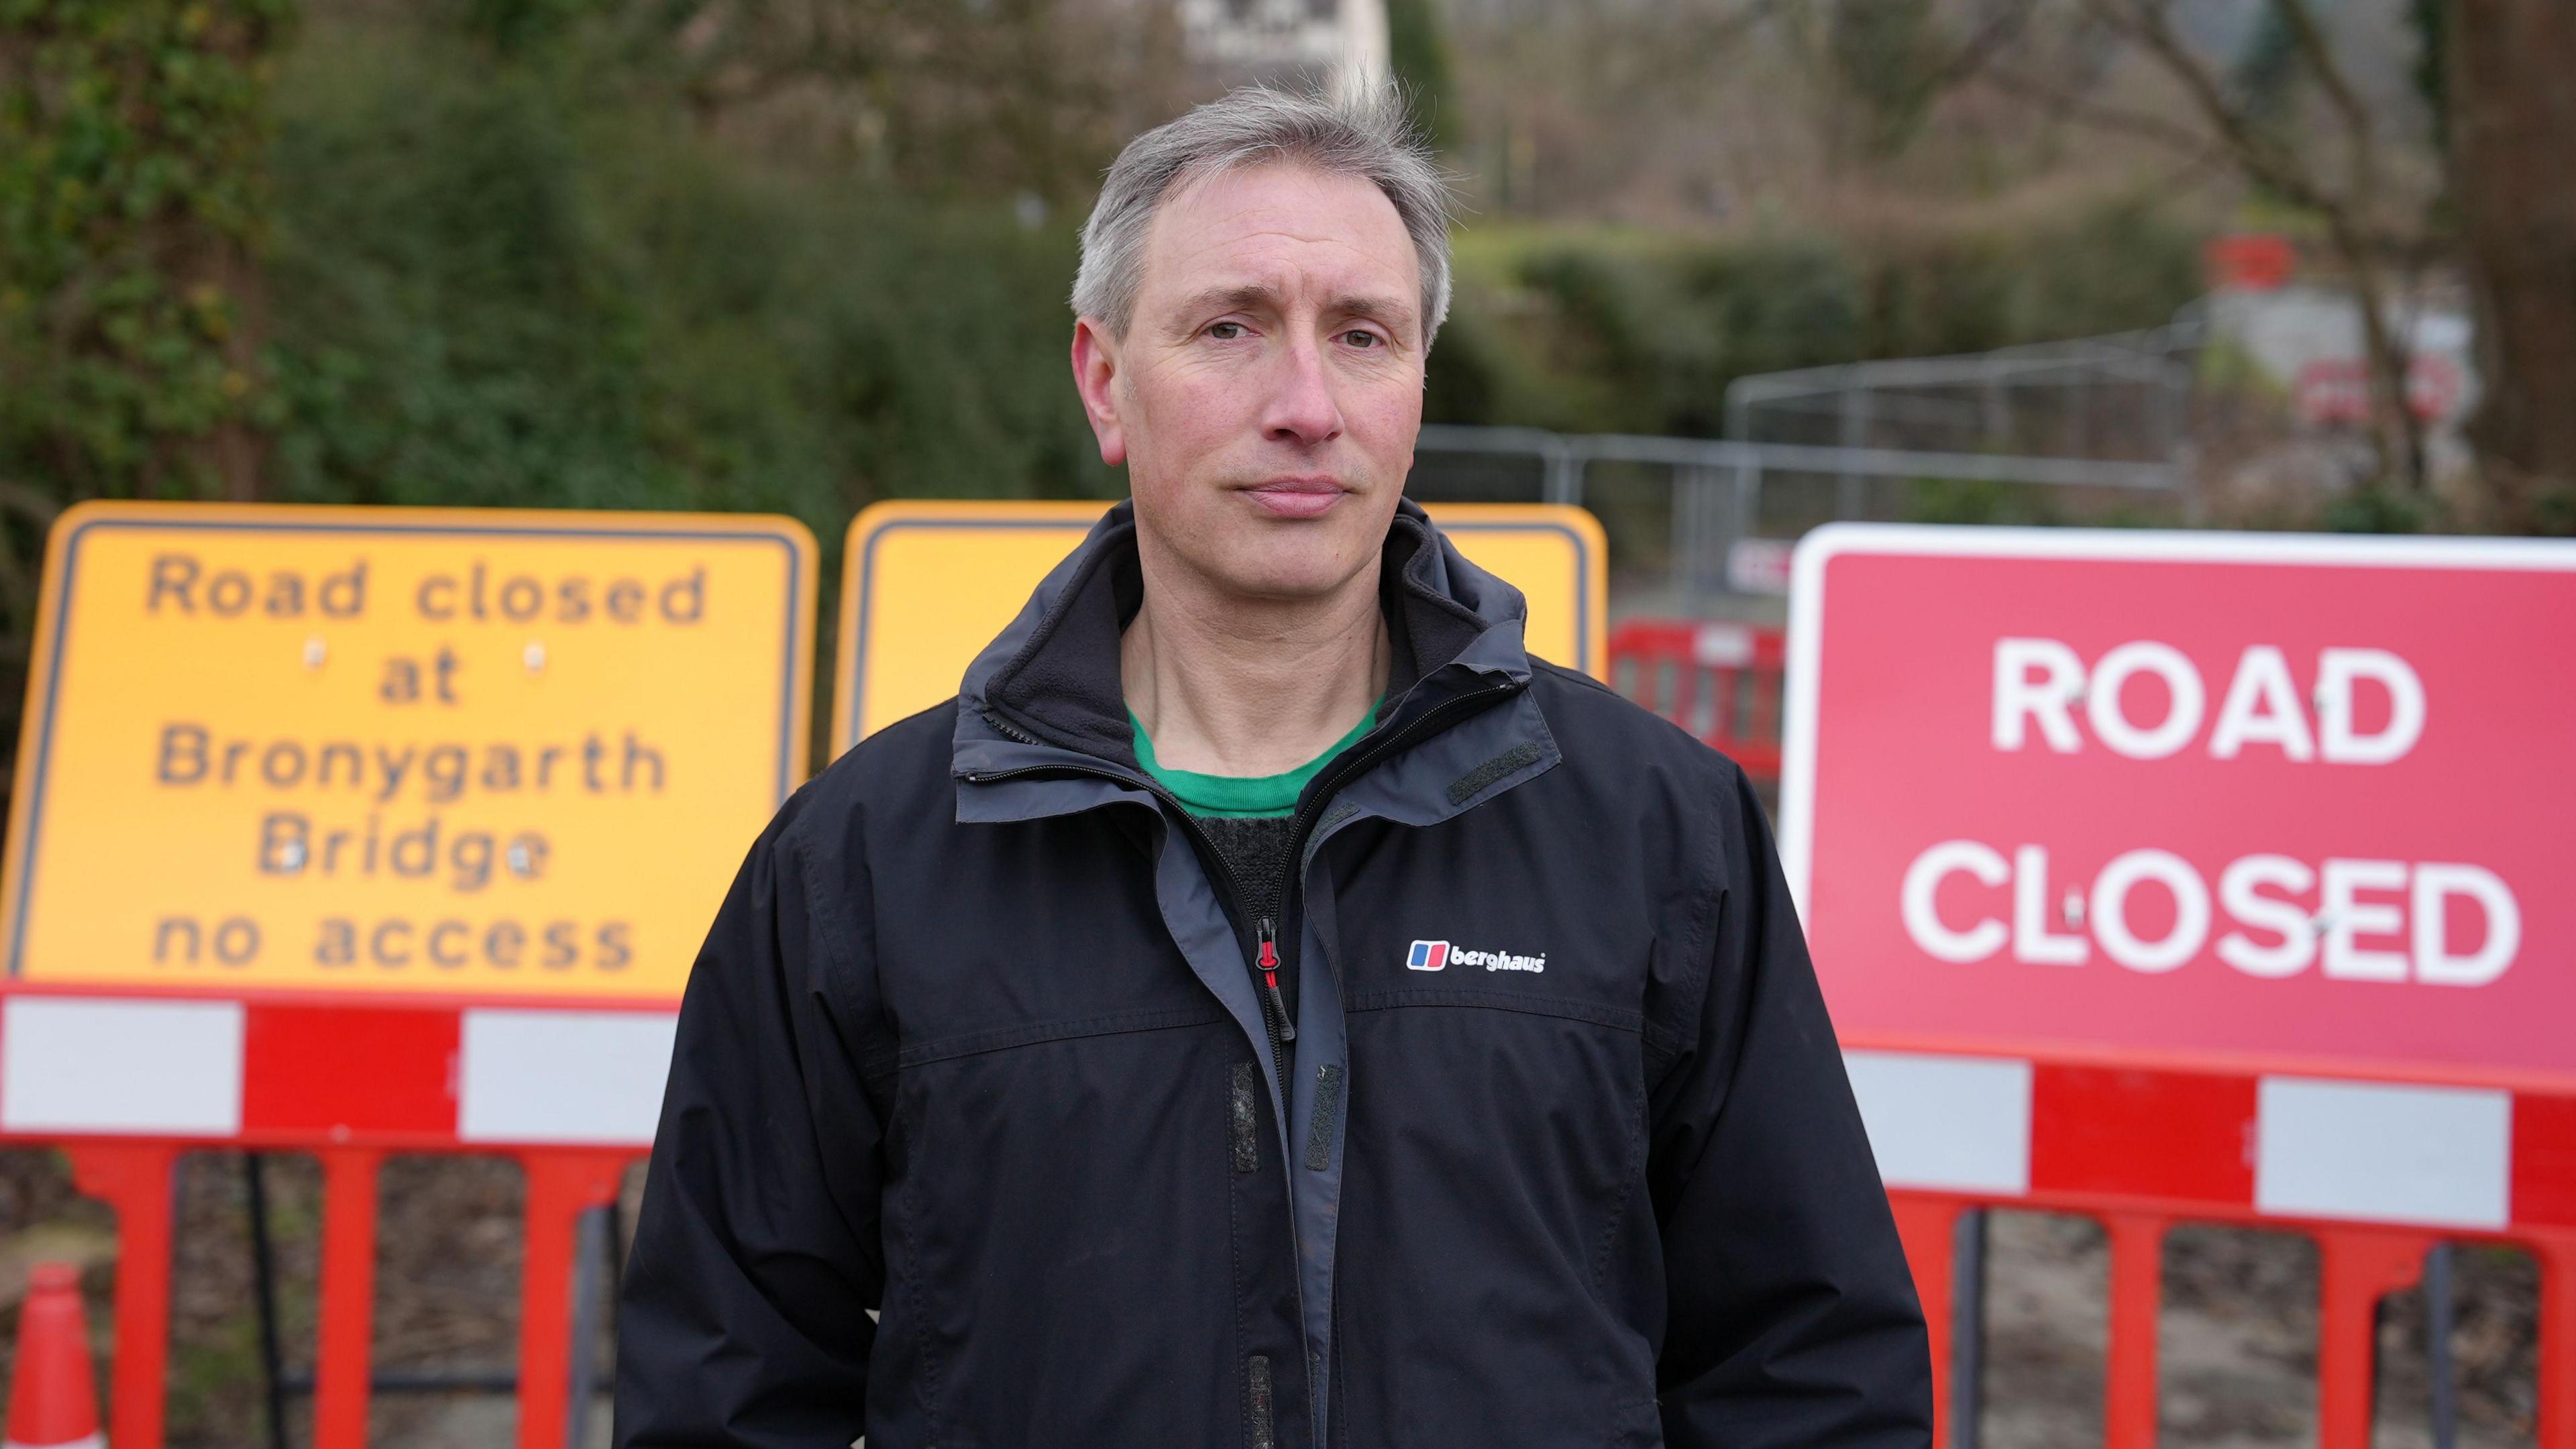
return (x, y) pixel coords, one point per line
(1267, 393)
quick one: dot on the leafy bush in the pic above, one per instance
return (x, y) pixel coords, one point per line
(130, 200)
(487, 294)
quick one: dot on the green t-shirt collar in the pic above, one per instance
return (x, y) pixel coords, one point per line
(1242, 796)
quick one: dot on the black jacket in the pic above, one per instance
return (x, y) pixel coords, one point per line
(974, 1043)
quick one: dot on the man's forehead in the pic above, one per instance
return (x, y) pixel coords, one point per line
(1275, 226)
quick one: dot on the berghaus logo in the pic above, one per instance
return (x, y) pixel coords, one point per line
(1436, 955)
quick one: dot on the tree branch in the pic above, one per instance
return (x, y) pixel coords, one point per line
(1982, 47)
(2147, 22)
(2396, 438)
(2311, 42)
(2068, 105)
(1687, 50)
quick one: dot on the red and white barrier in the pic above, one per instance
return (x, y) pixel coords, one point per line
(2461, 1158)
(124, 1083)
(74, 1065)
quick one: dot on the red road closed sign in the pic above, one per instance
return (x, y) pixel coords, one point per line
(2247, 800)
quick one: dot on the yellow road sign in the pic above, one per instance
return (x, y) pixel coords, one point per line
(924, 585)
(464, 753)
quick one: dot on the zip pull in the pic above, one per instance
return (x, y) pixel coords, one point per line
(1268, 937)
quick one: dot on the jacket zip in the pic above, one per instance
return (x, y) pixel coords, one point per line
(1265, 958)
(1274, 1010)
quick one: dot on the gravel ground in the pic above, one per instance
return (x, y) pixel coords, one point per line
(2238, 1345)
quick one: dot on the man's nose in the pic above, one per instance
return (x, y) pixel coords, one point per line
(1301, 408)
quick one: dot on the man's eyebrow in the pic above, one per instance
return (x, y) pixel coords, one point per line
(1252, 294)
(1388, 310)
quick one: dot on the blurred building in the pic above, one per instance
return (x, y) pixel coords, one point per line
(1267, 37)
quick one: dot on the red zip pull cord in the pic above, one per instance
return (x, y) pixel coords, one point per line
(1268, 961)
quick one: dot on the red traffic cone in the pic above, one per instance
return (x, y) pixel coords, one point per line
(53, 1401)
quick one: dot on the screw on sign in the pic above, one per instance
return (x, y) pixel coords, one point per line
(2201, 875)
(53, 1401)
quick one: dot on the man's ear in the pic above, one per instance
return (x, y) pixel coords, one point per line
(1095, 369)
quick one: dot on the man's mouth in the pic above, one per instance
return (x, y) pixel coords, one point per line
(1297, 497)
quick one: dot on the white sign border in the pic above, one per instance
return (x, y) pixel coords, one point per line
(2109, 545)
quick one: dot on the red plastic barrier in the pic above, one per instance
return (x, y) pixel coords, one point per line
(2358, 1267)
(134, 1178)
(352, 1084)
(2141, 1149)
(1720, 681)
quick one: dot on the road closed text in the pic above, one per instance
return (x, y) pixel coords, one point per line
(399, 751)
(2437, 923)
(2151, 909)
(2042, 687)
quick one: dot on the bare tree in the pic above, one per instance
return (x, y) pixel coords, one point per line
(2512, 122)
(2341, 175)
(1594, 108)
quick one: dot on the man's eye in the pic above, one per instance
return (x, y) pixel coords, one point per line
(1362, 337)
(1226, 331)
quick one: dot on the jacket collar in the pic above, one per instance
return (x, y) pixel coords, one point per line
(1051, 679)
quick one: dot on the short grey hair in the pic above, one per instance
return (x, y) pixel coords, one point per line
(1362, 132)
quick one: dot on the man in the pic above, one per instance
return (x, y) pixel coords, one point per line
(1266, 1007)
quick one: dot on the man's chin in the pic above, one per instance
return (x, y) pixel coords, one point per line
(1300, 572)
(1247, 553)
